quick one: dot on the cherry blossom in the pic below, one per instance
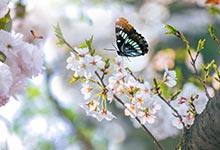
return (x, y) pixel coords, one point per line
(105, 114)
(84, 64)
(147, 116)
(116, 83)
(86, 90)
(130, 110)
(169, 77)
(24, 61)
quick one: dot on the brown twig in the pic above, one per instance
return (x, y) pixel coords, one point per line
(157, 90)
(132, 74)
(193, 63)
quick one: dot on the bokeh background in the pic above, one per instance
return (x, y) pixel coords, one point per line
(47, 116)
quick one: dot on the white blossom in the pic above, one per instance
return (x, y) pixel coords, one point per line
(169, 77)
(86, 90)
(71, 61)
(116, 83)
(130, 110)
(104, 114)
(84, 64)
(24, 60)
(82, 52)
(90, 107)
(177, 123)
(147, 116)
(95, 61)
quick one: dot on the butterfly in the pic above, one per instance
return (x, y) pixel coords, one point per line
(129, 42)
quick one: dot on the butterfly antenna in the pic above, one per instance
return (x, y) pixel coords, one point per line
(109, 49)
(114, 46)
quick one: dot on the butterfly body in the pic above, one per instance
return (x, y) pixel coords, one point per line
(129, 42)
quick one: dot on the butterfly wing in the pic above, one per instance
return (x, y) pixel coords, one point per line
(129, 42)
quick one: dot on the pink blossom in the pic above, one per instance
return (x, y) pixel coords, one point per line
(23, 59)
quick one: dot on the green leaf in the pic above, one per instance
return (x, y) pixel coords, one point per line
(213, 35)
(200, 45)
(5, 22)
(59, 35)
(2, 57)
(211, 32)
(83, 45)
(88, 44)
(165, 90)
(172, 30)
(179, 76)
(107, 63)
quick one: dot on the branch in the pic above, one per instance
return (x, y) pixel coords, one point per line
(193, 62)
(157, 90)
(173, 31)
(136, 118)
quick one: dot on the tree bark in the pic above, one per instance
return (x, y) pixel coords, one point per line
(205, 132)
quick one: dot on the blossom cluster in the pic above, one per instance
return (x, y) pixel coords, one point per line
(140, 98)
(86, 67)
(106, 80)
(103, 81)
(190, 102)
(22, 61)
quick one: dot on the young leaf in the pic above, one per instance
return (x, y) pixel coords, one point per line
(211, 32)
(172, 30)
(61, 40)
(88, 44)
(5, 22)
(201, 45)
(2, 57)
(59, 35)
